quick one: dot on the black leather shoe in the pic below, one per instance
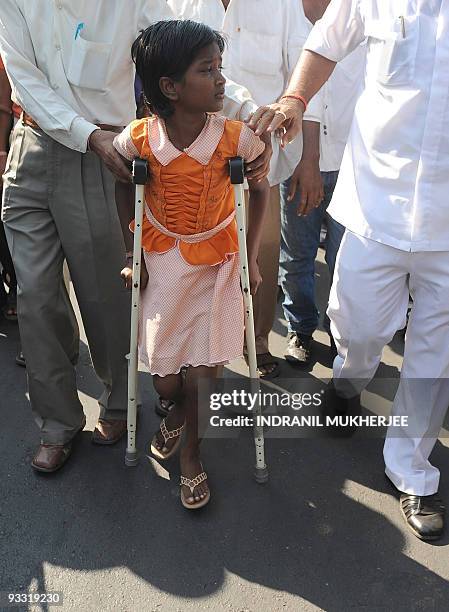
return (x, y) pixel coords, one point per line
(298, 349)
(337, 404)
(424, 515)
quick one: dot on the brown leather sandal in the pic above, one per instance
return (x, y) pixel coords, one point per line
(266, 359)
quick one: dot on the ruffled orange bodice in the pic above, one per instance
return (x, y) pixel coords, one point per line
(188, 197)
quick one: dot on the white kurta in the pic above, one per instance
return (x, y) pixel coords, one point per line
(391, 197)
(394, 177)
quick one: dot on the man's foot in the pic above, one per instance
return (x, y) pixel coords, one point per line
(10, 308)
(335, 405)
(194, 488)
(298, 349)
(108, 431)
(163, 446)
(51, 457)
(424, 515)
(267, 365)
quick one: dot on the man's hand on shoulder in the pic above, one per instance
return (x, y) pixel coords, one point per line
(286, 114)
(100, 142)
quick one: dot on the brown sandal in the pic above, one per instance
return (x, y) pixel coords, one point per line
(267, 359)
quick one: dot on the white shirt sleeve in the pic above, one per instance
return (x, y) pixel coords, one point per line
(152, 11)
(339, 31)
(315, 108)
(238, 103)
(31, 87)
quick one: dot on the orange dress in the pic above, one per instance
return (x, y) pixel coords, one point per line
(192, 310)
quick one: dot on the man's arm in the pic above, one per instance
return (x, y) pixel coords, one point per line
(333, 37)
(5, 110)
(31, 86)
(310, 74)
(5, 119)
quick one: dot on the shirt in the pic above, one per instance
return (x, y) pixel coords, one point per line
(70, 64)
(394, 177)
(264, 41)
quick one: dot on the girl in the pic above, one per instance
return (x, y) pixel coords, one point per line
(192, 310)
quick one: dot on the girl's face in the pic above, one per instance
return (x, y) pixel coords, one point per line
(202, 88)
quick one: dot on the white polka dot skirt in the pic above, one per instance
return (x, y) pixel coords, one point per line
(190, 315)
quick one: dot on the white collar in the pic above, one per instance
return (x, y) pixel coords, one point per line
(201, 149)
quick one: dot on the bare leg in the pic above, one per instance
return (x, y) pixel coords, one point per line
(170, 387)
(190, 463)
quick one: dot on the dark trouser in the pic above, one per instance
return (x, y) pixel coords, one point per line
(6, 266)
(300, 239)
(59, 203)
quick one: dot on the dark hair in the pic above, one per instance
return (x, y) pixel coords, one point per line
(167, 49)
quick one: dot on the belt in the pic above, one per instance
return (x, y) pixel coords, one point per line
(189, 238)
(28, 120)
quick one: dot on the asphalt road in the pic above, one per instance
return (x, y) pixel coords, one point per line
(325, 533)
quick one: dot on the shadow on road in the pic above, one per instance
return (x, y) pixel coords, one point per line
(309, 532)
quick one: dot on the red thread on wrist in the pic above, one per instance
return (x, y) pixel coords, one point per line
(297, 97)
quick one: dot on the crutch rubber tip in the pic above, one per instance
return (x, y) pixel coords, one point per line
(261, 475)
(131, 459)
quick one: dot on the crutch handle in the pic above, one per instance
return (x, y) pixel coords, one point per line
(237, 170)
(140, 171)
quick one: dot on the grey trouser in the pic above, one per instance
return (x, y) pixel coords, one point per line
(58, 203)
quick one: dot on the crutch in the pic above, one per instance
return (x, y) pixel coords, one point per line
(140, 173)
(237, 174)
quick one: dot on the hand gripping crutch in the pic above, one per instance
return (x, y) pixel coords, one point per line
(237, 174)
(140, 173)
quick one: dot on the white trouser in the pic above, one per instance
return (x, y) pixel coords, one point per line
(367, 305)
